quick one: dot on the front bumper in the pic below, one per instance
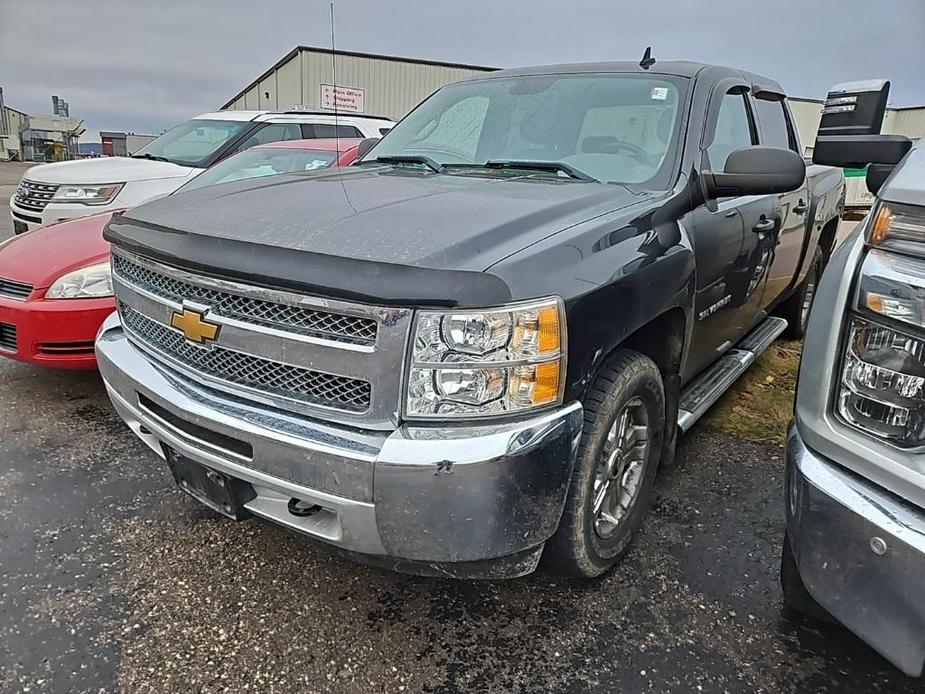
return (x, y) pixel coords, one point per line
(57, 333)
(465, 501)
(55, 212)
(861, 554)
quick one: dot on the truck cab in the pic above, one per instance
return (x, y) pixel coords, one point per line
(474, 348)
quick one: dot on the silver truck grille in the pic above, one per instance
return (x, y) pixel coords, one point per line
(295, 318)
(34, 196)
(311, 356)
(253, 372)
(15, 290)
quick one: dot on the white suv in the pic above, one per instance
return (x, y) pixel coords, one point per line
(53, 192)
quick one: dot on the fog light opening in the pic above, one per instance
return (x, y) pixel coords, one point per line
(302, 509)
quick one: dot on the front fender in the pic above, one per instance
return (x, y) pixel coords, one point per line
(615, 278)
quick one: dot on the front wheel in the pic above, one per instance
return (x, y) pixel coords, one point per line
(611, 487)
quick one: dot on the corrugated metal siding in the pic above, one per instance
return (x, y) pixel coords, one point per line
(392, 87)
(266, 87)
(251, 101)
(289, 85)
(907, 121)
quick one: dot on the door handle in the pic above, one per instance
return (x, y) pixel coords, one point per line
(801, 207)
(763, 226)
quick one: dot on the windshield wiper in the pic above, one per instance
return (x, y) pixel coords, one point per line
(553, 166)
(152, 157)
(434, 166)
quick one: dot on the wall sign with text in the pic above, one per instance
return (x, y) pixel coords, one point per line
(345, 98)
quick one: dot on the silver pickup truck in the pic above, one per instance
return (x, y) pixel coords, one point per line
(855, 480)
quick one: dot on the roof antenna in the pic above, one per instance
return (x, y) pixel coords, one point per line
(647, 59)
(334, 79)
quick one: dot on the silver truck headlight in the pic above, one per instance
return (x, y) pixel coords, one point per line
(88, 194)
(898, 228)
(882, 385)
(477, 363)
(86, 283)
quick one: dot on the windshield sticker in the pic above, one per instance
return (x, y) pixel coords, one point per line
(659, 93)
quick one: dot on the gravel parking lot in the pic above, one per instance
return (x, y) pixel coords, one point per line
(113, 580)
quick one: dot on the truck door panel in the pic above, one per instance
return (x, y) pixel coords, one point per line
(776, 130)
(732, 245)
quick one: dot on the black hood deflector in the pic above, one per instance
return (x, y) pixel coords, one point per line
(336, 277)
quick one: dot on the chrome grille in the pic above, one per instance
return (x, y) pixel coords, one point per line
(14, 290)
(270, 377)
(298, 319)
(34, 196)
(7, 337)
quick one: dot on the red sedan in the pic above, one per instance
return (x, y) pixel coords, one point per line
(55, 283)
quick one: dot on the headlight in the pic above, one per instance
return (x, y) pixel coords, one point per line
(883, 383)
(89, 194)
(486, 362)
(86, 283)
(882, 389)
(899, 228)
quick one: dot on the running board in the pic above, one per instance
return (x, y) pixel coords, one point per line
(702, 393)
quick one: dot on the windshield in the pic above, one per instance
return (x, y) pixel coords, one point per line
(262, 161)
(615, 128)
(190, 143)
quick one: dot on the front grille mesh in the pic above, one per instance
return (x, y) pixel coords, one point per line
(267, 376)
(7, 337)
(35, 196)
(14, 290)
(281, 316)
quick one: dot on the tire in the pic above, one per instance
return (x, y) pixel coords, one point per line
(627, 395)
(796, 598)
(796, 309)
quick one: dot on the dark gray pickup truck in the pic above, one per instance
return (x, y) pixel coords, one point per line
(475, 347)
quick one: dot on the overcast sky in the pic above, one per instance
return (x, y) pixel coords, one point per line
(144, 65)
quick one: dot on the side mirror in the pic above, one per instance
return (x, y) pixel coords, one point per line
(849, 130)
(856, 151)
(755, 171)
(366, 145)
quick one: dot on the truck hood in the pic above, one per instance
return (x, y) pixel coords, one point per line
(408, 218)
(75, 243)
(106, 170)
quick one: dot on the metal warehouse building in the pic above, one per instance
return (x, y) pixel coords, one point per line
(383, 85)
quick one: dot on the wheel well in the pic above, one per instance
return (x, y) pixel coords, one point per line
(662, 340)
(827, 239)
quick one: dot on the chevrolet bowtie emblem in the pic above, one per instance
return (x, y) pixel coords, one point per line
(194, 326)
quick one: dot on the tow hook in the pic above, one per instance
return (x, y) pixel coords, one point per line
(302, 509)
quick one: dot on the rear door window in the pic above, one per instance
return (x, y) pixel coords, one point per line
(775, 126)
(275, 132)
(320, 131)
